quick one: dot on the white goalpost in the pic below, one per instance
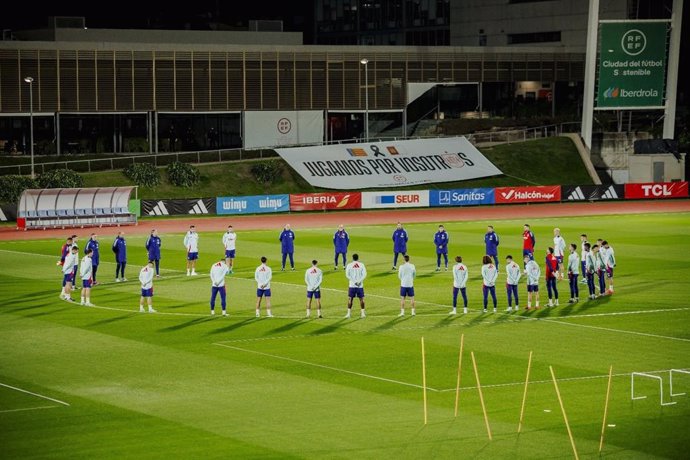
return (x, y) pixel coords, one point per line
(670, 377)
(661, 387)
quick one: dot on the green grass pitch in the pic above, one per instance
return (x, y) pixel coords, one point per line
(109, 382)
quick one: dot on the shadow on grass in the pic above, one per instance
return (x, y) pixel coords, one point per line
(32, 295)
(185, 325)
(478, 319)
(32, 307)
(112, 320)
(183, 305)
(330, 328)
(445, 321)
(44, 313)
(232, 327)
(389, 324)
(383, 274)
(287, 327)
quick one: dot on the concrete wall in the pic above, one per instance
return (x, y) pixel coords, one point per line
(642, 167)
(498, 18)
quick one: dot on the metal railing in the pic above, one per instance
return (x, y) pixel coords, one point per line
(224, 155)
(515, 135)
(157, 159)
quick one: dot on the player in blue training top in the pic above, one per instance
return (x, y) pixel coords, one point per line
(287, 246)
(94, 246)
(341, 240)
(441, 243)
(153, 246)
(120, 250)
(491, 241)
(399, 243)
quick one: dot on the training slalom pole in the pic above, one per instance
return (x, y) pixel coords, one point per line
(481, 396)
(457, 387)
(565, 417)
(606, 409)
(524, 395)
(424, 380)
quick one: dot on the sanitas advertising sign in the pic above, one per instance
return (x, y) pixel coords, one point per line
(389, 164)
(632, 64)
(461, 197)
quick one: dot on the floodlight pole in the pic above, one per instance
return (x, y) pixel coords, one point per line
(30, 81)
(365, 62)
(672, 73)
(590, 72)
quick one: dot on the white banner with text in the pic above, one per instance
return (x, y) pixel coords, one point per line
(285, 127)
(389, 164)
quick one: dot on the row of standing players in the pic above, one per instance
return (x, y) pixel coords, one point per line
(597, 260)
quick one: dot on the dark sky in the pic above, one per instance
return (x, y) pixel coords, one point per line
(155, 13)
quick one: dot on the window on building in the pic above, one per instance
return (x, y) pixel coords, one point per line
(534, 37)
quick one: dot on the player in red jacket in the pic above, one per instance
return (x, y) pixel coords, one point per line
(527, 242)
(551, 274)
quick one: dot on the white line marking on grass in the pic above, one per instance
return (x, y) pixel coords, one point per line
(27, 408)
(621, 331)
(622, 313)
(34, 394)
(321, 366)
(36, 254)
(549, 381)
(132, 310)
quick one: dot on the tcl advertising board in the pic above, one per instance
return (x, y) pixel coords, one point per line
(656, 190)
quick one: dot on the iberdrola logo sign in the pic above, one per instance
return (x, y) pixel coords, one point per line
(632, 64)
(612, 92)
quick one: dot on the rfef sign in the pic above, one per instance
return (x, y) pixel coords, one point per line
(632, 64)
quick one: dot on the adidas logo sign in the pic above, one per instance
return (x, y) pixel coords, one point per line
(199, 208)
(3, 217)
(159, 210)
(576, 195)
(610, 194)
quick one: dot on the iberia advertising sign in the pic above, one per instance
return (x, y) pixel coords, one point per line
(632, 64)
(323, 201)
(536, 194)
(656, 190)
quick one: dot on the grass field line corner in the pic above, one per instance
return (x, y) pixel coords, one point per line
(24, 409)
(564, 379)
(322, 366)
(21, 390)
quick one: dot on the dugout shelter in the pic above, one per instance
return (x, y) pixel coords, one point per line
(75, 207)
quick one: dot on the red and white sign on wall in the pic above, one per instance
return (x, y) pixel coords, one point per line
(321, 201)
(656, 190)
(536, 194)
